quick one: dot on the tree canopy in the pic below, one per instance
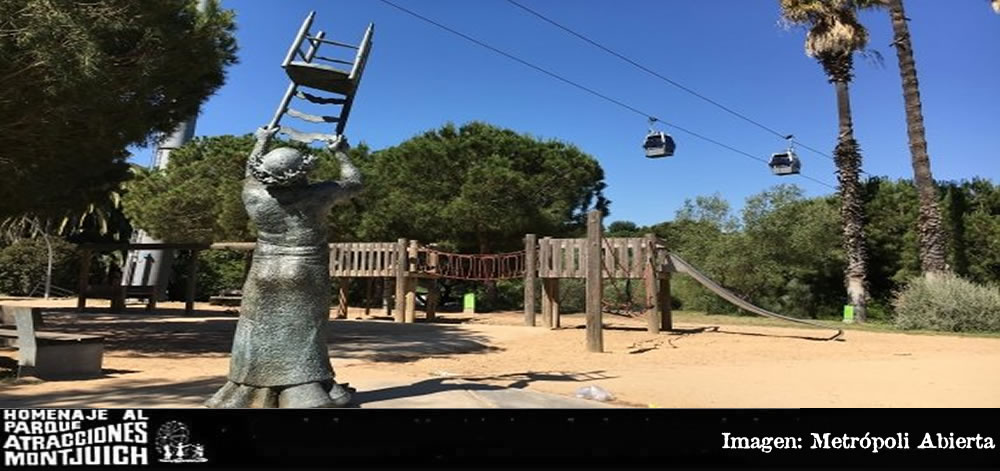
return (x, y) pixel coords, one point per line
(84, 80)
(782, 251)
(478, 188)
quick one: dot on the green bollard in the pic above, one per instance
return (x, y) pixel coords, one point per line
(470, 303)
(849, 314)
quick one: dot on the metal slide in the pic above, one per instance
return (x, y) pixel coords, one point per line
(684, 267)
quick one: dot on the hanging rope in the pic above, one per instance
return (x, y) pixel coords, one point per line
(628, 307)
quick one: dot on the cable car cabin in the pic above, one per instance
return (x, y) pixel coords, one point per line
(784, 163)
(658, 144)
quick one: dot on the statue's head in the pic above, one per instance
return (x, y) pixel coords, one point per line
(282, 166)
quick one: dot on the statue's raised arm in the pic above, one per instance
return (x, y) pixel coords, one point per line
(349, 183)
(263, 137)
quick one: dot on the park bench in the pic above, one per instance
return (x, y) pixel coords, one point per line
(50, 355)
(118, 294)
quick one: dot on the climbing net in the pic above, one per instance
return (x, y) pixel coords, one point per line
(473, 267)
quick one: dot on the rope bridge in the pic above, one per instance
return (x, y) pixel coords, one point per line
(472, 267)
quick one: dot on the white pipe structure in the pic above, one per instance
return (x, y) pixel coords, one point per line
(152, 267)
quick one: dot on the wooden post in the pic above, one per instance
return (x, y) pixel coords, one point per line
(545, 256)
(84, 280)
(432, 299)
(154, 295)
(411, 300)
(247, 263)
(654, 316)
(342, 285)
(554, 306)
(530, 270)
(369, 281)
(385, 296)
(595, 334)
(546, 302)
(401, 260)
(117, 293)
(666, 313)
(433, 294)
(189, 292)
(411, 283)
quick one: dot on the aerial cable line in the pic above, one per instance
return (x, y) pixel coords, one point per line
(583, 87)
(663, 78)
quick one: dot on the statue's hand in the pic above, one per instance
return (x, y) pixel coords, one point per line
(338, 144)
(265, 133)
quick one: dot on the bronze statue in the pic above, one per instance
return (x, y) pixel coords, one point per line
(279, 356)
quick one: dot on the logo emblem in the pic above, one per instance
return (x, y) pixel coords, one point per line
(173, 444)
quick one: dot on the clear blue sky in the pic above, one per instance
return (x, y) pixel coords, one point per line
(732, 51)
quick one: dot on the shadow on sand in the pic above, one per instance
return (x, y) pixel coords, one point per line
(165, 336)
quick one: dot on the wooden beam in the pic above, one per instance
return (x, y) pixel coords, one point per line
(595, 334)
(530, 242)
(158, 246)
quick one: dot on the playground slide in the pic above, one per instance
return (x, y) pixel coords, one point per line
(684, 267)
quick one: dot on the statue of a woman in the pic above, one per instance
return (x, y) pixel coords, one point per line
(279, 356)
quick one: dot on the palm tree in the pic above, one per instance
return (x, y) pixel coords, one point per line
(930, 234)
(833, 36)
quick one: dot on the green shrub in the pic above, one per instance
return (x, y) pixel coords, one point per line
(691, 296)
(23, 265)
(947, 303)
(509, 296)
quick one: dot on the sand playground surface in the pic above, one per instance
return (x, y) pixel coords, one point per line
(167, 359)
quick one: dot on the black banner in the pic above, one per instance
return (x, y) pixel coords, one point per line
(492, 438)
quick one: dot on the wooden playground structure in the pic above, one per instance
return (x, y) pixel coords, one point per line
(547, 260)
(406, 263)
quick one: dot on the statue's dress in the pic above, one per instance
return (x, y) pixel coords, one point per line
(279, 356)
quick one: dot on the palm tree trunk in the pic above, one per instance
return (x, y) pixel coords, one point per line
(848, 159)
(929, 231)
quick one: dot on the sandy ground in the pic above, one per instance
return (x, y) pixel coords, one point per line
(172, 360)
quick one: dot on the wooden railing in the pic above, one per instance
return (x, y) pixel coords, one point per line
(363, 259)
(623, 257)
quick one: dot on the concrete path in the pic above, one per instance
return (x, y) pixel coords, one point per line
(448, 394)
(434, 393)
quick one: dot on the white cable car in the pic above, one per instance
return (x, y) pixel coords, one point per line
(785, 163)
(657, 143)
